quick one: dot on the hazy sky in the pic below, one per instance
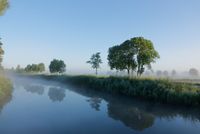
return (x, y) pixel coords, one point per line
(36, 31)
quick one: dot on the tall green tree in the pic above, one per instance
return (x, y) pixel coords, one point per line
(146, 54)
(132, 55)
(3, 6)
(57, 66)
(95, 61)
(115, 59)
(121, 57)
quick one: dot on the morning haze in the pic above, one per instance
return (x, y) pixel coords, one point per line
(73, 30)
(99, 67)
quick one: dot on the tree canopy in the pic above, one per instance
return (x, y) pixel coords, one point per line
(3, 6)
(95, 61)
(57, 66)
(133, 54)
(120, 57)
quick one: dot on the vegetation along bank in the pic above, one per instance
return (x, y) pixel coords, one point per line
(159, 90)
(5, 88)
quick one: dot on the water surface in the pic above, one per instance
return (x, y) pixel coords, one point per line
(47, 107)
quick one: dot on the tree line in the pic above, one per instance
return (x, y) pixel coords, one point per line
(134, 55)
(35, 68)
(56, 66)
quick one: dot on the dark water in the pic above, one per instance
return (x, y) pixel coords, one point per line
(45, 107)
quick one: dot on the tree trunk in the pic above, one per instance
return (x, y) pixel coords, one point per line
(128, 71)
(96, 72)
(138, 71)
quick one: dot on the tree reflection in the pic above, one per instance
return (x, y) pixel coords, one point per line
(136, 114)
(131, 116)
(38, 89)
(119, 109)
(56, 94)
(4, 99)
(95, 103)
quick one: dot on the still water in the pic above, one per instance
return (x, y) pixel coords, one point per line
(46, 107)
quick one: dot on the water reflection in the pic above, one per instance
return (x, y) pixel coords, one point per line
(95, 103)
(38, 89)
(56, 94)
(4, 99)
(137, 114)
(131, 116)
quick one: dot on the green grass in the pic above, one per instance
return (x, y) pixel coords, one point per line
(159, 90)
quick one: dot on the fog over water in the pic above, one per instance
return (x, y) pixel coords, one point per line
(40, 106)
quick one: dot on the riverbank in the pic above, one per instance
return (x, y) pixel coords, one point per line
(159, 90)
(5, 88)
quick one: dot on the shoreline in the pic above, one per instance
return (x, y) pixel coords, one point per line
(158, 90)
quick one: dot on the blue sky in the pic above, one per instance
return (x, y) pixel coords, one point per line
(36, 31)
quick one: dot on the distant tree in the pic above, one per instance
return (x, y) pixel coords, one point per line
(19, 69)
(165, 73)
(1, 53)
(95, 61)
(57, 66)
(28, 68)
(3, 6)
(159, 73)
(41, 67)
(35, 68)
(173, 73)
(193, 72)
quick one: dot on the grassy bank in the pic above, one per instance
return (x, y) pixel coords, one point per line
(160, 90)
(5, 87)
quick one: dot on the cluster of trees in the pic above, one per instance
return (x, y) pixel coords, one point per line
(35, 68)
(56, 66)
(132, 55)
(192, 72)
(165, 73)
